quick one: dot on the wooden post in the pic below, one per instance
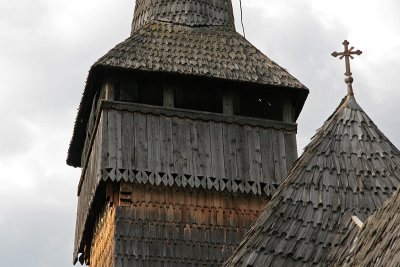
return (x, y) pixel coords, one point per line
(168, 96)
(227, 102)
(287, 110)
(109, 89)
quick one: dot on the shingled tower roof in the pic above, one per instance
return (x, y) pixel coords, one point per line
(349, 169)
(185, 37)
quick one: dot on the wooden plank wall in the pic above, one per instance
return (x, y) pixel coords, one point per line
(172, 150)
(91, 176)
(176, 227)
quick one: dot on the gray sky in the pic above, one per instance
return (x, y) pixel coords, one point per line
(48, 46)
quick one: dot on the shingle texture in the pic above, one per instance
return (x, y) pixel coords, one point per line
(212, 52)
(349, 168)
(378, 243)
(201, 51)
(184, 12)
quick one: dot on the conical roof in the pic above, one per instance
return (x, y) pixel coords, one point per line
(378, 242)
(349, 169)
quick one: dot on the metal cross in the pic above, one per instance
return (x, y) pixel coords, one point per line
(347, 54)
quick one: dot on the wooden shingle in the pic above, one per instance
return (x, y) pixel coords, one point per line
(349, 169)
(378, 241)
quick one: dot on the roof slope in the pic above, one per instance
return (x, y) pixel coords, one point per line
(349, 168)
(201, 51)
(378, 243)
(212, 52)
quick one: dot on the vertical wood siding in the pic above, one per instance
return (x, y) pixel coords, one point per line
(91, 176)
(196, 153)
(170, 149)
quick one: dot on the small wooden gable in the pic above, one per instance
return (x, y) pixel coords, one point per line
(349, 169)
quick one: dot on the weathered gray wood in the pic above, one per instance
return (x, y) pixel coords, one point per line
(112, 140)
(291, 149)
(267, 157)
(287, 110)
(141, 152)
(227, 103)
(104, 135)
(203, 136)
(166, 147)
(197, 169)
(253, 137)
(242, 153)
(109, 89)
(153, 143)
(217, 150)
(118, 137)
(128, 140)
(198, 115)
(168, 99)
(280, 156)
(188, 146)
(229, 141)
(178, 143)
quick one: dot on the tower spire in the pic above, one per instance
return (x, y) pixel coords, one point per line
(184, 12)
(347, 54)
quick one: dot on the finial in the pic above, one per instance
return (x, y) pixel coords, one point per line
(347, 54)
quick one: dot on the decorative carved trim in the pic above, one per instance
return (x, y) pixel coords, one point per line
(185, 181)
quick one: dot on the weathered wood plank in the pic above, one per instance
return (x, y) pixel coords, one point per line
(198, 115)
(189, 163)
(166, 147)
(128, 140)
(253, 137)
(242, 153)
(179, 150)
(277, 156)
(118, 137)
(203, 137)
(153, 143)
(282, 150)
(197, 170)
(267, 158)
(229, 141)
(112, 140)
(291, 149)
(227, 103)
(141, 150)
(217, 150)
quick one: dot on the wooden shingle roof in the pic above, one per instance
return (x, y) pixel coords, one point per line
(349, 168)
(378, 242)
(211, 52)
(201, 51)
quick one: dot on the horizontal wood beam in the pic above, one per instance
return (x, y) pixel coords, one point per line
(198, 115)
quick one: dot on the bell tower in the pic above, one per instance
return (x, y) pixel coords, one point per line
(184, 132)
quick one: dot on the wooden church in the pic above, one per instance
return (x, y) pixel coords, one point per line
(184, 132)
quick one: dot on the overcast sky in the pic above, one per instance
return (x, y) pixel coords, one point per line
(48, 46)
